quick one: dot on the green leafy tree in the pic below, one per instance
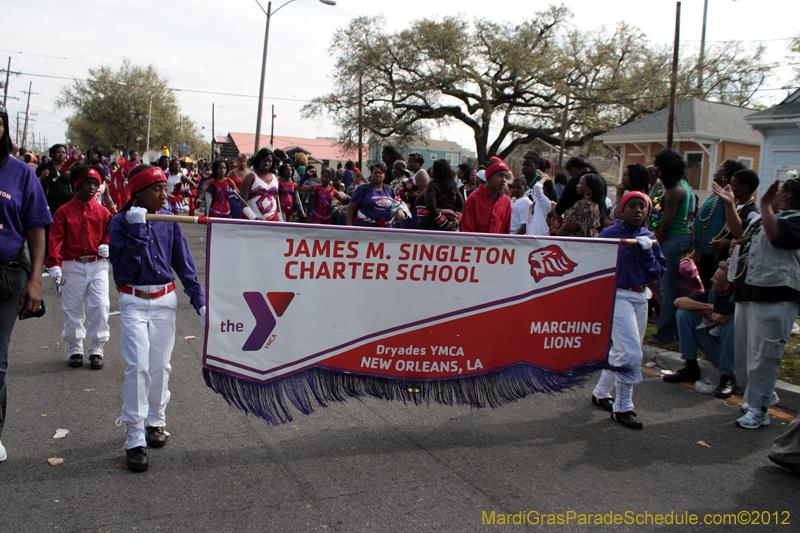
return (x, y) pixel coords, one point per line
(794, 59)
(111, 108)
(511, 83)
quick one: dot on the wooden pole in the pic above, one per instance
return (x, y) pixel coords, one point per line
(673, 87)
(564, 124)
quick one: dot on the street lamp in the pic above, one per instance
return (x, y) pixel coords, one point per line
(269, 14)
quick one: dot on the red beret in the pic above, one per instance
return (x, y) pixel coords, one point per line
(80, 178)
(146, 178)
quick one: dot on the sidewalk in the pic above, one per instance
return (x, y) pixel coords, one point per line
(789, 394)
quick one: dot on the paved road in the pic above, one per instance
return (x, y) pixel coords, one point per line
(363, 466)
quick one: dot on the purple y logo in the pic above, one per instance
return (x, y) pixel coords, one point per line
(265, 320)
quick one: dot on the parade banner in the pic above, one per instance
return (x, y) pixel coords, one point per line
(301, 315)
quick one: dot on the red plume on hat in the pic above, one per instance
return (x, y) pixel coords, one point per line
(145, 178)
(80, 177)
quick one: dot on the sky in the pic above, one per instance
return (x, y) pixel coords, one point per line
(216, 47)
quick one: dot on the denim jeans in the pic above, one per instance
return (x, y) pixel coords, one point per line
(718, 350)
(674, 247)
(17, 279)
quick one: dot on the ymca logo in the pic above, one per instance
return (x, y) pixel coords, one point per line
(550, 261)
(265, 320)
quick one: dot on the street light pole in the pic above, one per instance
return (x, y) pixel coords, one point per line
(268, 12)
(149, 115)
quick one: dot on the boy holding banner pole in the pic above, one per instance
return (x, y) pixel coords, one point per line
(638, 266)
(144, 254)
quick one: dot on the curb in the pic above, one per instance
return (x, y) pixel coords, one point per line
(789, 394)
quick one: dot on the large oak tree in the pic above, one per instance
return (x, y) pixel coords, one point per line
(511, 83)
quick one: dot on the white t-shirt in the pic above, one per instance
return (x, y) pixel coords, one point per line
(519, 212)
(537, 213)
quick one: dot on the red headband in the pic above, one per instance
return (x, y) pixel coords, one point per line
(496, 166)
(92, 173)
(146, 178)
(634, 194)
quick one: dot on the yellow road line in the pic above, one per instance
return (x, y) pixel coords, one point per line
(732, 399)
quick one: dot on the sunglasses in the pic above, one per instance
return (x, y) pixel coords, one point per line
(3, 110)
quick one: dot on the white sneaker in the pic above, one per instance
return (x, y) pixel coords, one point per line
(753, 419)
(773, 400)
(3, 454)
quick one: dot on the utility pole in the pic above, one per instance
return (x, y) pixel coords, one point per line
(27, 111)
(5, 89)
(702, 48)
(564, 123)
(674, 79)
(213, 139)
(272, 129)
(360, 125)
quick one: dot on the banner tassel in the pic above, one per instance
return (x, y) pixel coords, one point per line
(318, 387)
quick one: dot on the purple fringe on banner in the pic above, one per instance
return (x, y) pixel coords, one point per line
(318, 387)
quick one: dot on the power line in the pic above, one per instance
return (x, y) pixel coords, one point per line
(168, 88)
(740, 41)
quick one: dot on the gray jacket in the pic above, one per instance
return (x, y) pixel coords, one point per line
(769, 265)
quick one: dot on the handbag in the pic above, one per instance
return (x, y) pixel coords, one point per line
(689, 281)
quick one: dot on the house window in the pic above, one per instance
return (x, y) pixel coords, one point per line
(694, 172)
(747, 162)
(453, 159)
(433, 156)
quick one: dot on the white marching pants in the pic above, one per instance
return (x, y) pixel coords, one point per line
(85, 295)
(147, 338)
(627, 334)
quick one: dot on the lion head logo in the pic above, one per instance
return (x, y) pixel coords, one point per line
(550, 261)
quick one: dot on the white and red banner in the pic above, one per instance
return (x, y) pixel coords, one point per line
(407, 305)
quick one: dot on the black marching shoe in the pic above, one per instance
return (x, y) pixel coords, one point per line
(605, 403)
(792, 467)
(155, 436)
(689, 373)
(726, 387)
(136, 459)
(95, 361)
(76, 360)
(627, 419)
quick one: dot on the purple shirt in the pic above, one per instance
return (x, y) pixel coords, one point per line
(637, 267)
(347, 178)
(23, 206)
(375, 205)
(146, 254)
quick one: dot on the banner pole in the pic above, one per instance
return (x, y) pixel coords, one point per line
(182, 219)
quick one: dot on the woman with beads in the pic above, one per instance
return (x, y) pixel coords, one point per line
(765, 269)
(671, 207)
(740, 208)
(709, 222)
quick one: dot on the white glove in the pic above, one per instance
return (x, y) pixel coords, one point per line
(55, 272)
(203, 315)
(136, 215)
(102, 250)
(249, 213)
(644, 242)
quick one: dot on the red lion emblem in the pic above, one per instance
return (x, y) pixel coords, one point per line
(550, 261)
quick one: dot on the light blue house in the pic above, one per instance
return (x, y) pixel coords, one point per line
(780, 151)
(429, 149)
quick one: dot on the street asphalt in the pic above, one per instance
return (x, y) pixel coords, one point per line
(369, 465)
